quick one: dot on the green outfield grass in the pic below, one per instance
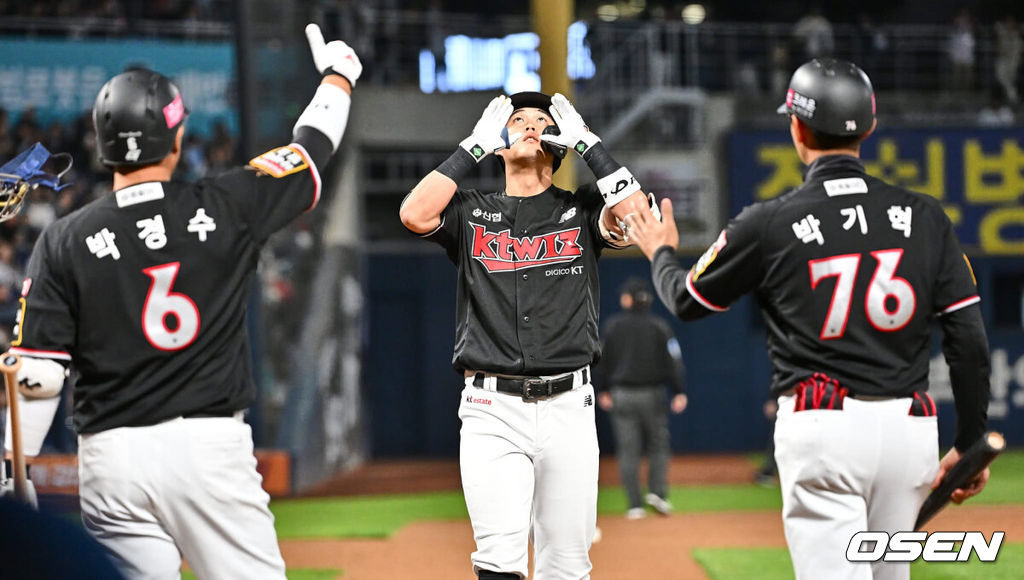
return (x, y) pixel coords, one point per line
(382, 515)
(774, 564)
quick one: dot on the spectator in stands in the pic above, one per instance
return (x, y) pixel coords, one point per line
(780, 68)
(814, 33)
(873, 45)
(961, 52)
(997, 113)
(1008, 50)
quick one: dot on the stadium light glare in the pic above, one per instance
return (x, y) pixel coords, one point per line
(694, 14)
(608, 12)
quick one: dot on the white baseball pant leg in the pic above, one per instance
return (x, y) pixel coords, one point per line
(866, 467)
(184, 487)
(529, 470)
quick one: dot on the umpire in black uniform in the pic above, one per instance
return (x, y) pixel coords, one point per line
(851, 273)
(640, 357)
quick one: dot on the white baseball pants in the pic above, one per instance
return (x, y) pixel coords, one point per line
(529, 473)
(866, 467)
(184, 487)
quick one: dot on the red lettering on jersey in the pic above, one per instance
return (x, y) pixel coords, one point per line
(528, 248)
(568, 246)
(500, 252)
(482, 242)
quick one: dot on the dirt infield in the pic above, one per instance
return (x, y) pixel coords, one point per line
(437, 475)
(655, 547)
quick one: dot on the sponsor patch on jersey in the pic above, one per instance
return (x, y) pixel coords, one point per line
(846, 186)
(709, 256)
(280, 162)
(141, 193)
(26, 286)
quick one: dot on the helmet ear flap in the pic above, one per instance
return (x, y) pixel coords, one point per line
(555, 149)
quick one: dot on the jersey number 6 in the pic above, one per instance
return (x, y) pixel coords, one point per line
(162, 303)
(885, 286)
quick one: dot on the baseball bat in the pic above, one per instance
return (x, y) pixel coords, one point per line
(977, 457)
(9, 365)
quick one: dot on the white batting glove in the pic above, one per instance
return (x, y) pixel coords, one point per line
(574, 132)
(486, 137)
(334, 57)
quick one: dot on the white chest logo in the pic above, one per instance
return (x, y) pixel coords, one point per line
(567, 215)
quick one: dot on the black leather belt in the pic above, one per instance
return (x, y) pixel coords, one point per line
(532, 388)
(209, 414)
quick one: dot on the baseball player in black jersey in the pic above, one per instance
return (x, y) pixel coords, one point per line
(527, 328)
(143, 292)
(850, 274)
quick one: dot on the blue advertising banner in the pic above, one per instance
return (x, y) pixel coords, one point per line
(977, 174)
(61, 78)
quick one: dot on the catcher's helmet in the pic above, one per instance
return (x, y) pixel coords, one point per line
(831, 96)
(137, 115)
(543, 102)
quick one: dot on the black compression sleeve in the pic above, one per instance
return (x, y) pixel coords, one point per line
(457, 166)
(315, 143)
(965, 347)
(600, 161)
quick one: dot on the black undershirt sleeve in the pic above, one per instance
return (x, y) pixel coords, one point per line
(315, 143)
(670, 283)
(965, 347)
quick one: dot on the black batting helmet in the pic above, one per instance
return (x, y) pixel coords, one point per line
(831, 96)
(540, 101)
(137, 115)
(639, 290)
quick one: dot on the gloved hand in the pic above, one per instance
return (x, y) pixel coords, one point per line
(487, 134)
(574, 133)
(334, 57)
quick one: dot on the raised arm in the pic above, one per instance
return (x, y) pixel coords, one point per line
(321, 125)
(421, 209)
(621, 192)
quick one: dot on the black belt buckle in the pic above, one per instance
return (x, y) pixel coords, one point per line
(530, 394)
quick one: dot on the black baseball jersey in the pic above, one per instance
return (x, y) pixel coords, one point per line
(849, 272)
(144, 291)
(528, 294)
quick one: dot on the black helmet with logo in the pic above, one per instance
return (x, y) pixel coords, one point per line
(137, 115)
(831, 96)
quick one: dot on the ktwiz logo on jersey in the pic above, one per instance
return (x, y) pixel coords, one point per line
(500, 252)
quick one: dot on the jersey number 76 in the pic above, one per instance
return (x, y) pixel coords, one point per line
(884, 291)
(162, 303)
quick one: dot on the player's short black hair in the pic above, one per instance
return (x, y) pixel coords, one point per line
(639, 289)
(824, 141)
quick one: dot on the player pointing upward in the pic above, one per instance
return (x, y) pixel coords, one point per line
(143, 292)
(527, 329)
(850, 273)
